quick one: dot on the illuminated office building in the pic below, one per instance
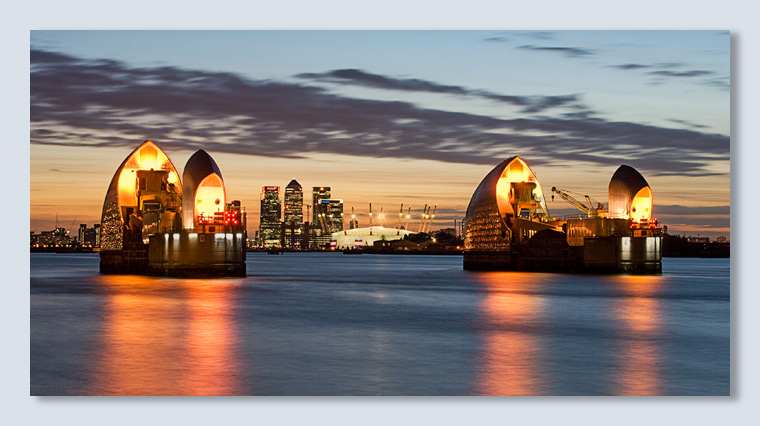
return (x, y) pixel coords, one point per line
(316, 229)
(292, 226)
(270, 222)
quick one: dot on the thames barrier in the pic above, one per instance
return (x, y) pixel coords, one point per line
(155, 224)
(508, 227)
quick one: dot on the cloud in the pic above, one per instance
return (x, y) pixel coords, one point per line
(659, 65)
(687, 123)
(630, 66)
(692, 73)
(689, 211)
(530, 104)
(573, 52)
(664, 71)
(509, 35)
(723, 83)
(103, 103)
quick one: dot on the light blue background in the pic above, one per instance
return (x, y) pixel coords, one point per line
(735, 15)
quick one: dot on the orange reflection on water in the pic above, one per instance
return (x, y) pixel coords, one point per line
(510, 351)
(165, 337)
(212, 350)
(639, 314)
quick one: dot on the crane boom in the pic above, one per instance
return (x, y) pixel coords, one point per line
(592, 207)
(569, 198)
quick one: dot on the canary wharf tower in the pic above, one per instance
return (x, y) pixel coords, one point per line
(269, 226)
(293, 215)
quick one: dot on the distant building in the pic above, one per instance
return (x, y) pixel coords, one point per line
(316, 229)
(448, 231)
(255, 242)
(292, 227)
(82, 228)
(61, 237)
(46, 238)
(367, 237)
(97, 234)
(722, 239)
(89, 238)
(270, 223)
(328, 219)
(698, 239)
(318, 193)
(332, 214)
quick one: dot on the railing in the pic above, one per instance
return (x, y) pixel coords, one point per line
(568, 217)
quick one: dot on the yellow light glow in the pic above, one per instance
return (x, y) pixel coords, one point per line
(127, 188)
(641, 205)
(147, 157)
(517, 171)
(210, 197)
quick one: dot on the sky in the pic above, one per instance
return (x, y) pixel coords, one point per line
(387, 117)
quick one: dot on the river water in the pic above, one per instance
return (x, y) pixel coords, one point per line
(332, 324)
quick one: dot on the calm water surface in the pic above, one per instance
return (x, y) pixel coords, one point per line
(330, 324)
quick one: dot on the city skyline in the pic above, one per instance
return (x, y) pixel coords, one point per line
(388, 117)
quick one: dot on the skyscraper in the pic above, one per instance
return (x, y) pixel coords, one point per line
(317, 193)
(334, 210)
(269, 225)
(293, 215)
(97, 234)
(330, 216)
(82, 228)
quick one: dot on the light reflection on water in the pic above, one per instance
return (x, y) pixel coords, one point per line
(511, 352)
(384, 325)
(639, 313)
(156, 343)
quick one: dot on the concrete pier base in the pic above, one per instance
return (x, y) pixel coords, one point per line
(182, 254)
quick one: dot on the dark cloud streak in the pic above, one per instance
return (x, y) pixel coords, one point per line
(572, 52)
(692, 73)
(531, 104)
(74, 99)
